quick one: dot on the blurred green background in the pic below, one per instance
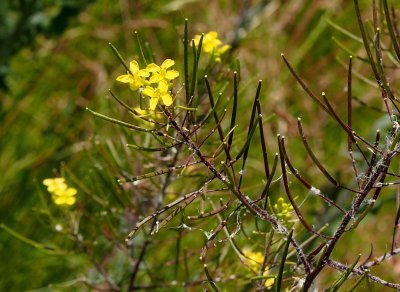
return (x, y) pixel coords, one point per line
(55, 61)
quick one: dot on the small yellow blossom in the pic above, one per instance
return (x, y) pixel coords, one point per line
(154, 81)
(212, 45)
(55, 184)
(159, 73)
(161, 92)
(60, 192)
(136, 77)
(254, 260)
(283, 210)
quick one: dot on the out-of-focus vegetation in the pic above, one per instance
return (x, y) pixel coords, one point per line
(57, 68)
(22, 21)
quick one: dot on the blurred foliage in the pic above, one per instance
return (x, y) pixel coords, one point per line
(60, 63)
(21, 21)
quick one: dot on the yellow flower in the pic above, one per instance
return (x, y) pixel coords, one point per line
(254, 260)
(283, 210)
(55, 184)
(161, 92)
(136, 77)
(159, 73)
(60, 192)
(212, 45)
(65, 198)
(155, 81)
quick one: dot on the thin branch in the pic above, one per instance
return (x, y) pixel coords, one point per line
(289, 194)
(359, 272)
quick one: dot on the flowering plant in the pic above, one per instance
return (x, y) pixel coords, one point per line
(191, 169)
(60, 192)
(154, 81)
(212, 45)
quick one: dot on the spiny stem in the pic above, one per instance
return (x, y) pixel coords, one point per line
(312, 155)
(303, 84)
(186, 61)
(140, 48)
(251, 206)
(252, 117)
(263, 142)
(289, 194)
(220, 131)
(366, 43)
(350, 121)
(234, 109)
(391, 29)
(296, 173)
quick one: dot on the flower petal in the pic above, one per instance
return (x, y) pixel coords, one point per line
(134, 67)
(134, 86)
(208, 47)
(153, 68)
(127, 78)
(269, 283)
(59, 200)
(167, 63)
(212, 34)
(69, 200)
(223, 49)
(153, 103)
(171, 74)
(70, 192)
(149, 91)
(59, 187)
(59, 180)
(163, 86)
(48, 181)
(155, 78)
(136, 83)
(144, 73)
(166, 99)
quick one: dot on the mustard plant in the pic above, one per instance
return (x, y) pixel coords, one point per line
(186, 180)
(208, 166)
(60, 192)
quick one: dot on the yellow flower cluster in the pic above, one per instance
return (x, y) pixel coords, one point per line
(60, 192)
(155, 81)
(212, 45)
(283, 210)
(254, 260)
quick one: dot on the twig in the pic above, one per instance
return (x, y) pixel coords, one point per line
(359, 272)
